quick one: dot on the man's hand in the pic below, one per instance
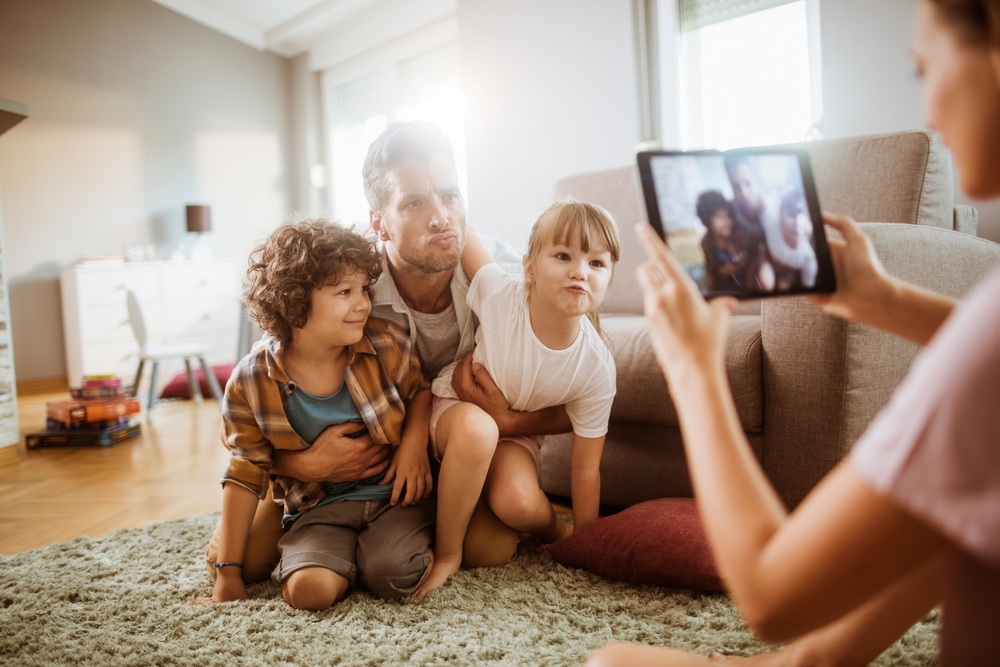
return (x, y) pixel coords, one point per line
(334, 457)
(410, 468)
(473, 384)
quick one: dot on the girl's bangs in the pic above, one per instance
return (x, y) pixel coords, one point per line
(577, 224)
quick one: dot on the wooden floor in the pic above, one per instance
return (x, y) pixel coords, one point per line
(171, 471)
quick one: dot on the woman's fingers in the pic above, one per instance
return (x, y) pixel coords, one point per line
(659, 254)
(727, 304)
(845, 225)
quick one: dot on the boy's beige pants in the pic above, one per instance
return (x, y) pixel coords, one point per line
(488, 541)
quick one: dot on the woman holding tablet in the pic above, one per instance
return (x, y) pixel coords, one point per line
(912, 517)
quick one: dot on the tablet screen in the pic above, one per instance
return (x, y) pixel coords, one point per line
(744, 223)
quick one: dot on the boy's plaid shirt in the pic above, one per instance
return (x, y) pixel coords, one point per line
(383, 374)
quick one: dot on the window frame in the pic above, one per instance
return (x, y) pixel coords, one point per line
(382, 60)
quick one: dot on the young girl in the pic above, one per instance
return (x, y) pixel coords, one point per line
(539, 340)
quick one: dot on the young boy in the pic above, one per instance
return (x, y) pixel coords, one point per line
(325, 363)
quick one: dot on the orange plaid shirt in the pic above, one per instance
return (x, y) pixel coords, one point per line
(383, 374)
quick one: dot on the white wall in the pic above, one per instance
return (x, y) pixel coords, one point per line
(869, 85)
(550, 91)
(134, 112)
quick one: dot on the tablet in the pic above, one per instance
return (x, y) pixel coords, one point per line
(743, 223)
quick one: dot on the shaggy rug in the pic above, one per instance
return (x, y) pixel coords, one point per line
(125, 599)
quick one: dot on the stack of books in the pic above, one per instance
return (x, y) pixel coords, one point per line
(98, 414)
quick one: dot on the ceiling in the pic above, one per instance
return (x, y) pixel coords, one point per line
(286, 27)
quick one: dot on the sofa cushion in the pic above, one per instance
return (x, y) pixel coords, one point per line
(615, 190)
(825, 379)
(660, 541)
(903, 177)
(642, 392)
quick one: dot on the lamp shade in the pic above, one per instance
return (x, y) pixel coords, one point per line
(199, 218)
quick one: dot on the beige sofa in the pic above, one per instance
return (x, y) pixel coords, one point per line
(805, 384)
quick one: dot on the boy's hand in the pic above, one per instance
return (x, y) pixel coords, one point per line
(411, 468)
(228, 587)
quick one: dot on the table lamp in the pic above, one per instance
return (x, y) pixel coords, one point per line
(199, 221)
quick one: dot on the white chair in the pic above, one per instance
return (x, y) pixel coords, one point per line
(157, 353)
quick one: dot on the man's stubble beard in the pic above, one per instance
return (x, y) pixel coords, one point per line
(431, 263)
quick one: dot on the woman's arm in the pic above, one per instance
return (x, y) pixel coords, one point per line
(475, 255)
(867, 294)
(585, 479)
(788, 574)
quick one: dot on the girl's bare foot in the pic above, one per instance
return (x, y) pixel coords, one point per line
(441, 570)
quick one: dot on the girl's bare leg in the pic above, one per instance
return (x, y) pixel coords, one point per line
(513, 493)
(861, 636)
(314, 588)
(466, 439)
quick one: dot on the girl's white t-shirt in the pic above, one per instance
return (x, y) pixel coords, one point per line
(530, 375)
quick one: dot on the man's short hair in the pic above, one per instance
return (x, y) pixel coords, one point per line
(411, 140)
(295, 259)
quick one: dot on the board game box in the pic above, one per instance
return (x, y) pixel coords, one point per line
(83, 437)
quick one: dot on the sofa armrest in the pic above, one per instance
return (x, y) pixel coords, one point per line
(825, 378)
(966, 219)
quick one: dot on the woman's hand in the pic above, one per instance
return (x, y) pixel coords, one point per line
(688, 333)
(863, 286)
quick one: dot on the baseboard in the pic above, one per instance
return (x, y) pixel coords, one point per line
(42, 385)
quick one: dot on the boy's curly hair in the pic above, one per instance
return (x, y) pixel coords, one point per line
(295, 259)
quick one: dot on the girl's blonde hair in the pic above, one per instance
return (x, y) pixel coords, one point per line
(576, 223)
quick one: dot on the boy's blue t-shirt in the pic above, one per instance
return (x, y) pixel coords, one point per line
(310, 415)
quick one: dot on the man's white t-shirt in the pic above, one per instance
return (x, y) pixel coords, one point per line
(531, 376)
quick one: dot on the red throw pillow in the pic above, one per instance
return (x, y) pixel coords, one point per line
(656, 542)
(178, 386)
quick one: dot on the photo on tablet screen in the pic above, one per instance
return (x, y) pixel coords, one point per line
(739, 223)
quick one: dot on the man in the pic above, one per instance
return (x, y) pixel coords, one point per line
(418, 213)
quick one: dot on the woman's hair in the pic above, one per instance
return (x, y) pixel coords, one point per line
(708, 203)
(976, 21)
(295, 259)
(576, 223)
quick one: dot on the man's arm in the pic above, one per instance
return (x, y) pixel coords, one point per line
(473, 384)
(333, 457)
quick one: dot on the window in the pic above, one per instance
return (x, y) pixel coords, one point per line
(749, 72)
(359, 119)
(396, 87)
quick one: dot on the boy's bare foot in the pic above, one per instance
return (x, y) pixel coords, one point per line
(441, 570)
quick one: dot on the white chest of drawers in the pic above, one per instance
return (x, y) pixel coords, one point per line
(182, 302)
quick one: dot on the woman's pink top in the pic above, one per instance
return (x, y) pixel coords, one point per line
(935, 451)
